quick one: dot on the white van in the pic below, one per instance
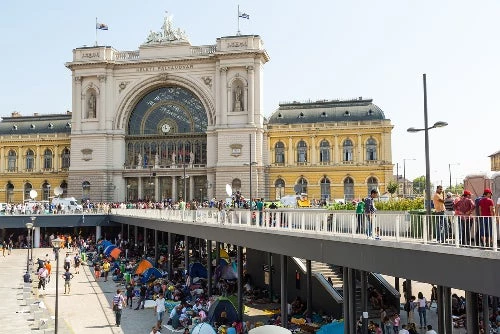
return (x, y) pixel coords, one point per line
(69, 204)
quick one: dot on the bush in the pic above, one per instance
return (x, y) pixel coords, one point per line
(391, 205)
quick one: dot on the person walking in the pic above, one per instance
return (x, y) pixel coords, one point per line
(159, 309)
(438, 200)
(76, 261)
(142, 297)
(370, 211)
(42, 277)
(49, 269)
(422, 306)
(360, 210)
(118, 304)
(105, 267)
(67, 281)
(97, 271)
(67, 262)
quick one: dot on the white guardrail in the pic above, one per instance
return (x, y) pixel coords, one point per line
(466, 232)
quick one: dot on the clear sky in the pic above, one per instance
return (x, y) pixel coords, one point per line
(318, 50)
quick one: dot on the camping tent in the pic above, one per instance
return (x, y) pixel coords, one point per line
(197, 270)
(151, 272)
(269, 329)
(115, 253)
(108, 249)
(331, 328)
(143, 265)
(203, 328)
(220, 305)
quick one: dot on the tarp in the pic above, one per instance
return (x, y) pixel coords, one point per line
(203, 328)
(225, 271)
(105, 243)
(222, 254)
(196, 269)
(149, 273)
(143, 265)
(269, 329)
(220, 305)
(331, 328)
(108, 249)
(115, 253)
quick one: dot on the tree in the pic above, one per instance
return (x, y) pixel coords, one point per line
(392, 187)
(419, 185)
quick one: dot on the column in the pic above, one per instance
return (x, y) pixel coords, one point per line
(156, 246)
(77, 103)
(186, 254)
(360, 149)
(336, 150)
(251, 95)
(174, 188)
(101, 110)
(486, 313)
(139, 188)
(270, 264)
(97, 233)
(55, 163)
(217, 253)
(472, 312)
(36, 241)
(157, 189)
(284, 295)
(38, 164)
(345, 304)
(351, 274)
(239, 259)
(290, 159)
(314, 151)
(223, 95)
(2, 159)
(191, 188)
(364, 298)
(170, 237)
(209, 267)
(145, 241)
(135, 236)
(309, 288)
(447, 309)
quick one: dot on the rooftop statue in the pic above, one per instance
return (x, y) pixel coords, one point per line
(168, 33)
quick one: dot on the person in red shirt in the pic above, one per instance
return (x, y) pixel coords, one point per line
(463, 209)
(486, 212)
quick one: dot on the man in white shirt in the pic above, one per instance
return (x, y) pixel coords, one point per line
(42, 276)
(403, 330)
(159, 309)
(430, 330)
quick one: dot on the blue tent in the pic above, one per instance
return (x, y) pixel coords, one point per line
(197, 270)
(108, 249)
(149, 273)
(105, 243)
(332, 328)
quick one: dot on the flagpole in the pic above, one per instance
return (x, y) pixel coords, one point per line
(238, 33)
(96, 31)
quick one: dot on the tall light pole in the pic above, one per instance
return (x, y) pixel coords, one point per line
(427, 159)
(404, 176)
(56, 243)
(250, 164)
(449, 170)
(32, 240)
(29, 226)
(184, 177)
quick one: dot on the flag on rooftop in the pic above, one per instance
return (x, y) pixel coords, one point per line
(245, 16)
(101, 26)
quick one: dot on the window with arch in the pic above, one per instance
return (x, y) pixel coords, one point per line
(348, 189)
(236, 185)
(325, 189)
(9, 193)
(65, 158)
(279, 153)
(47, 159)
(371, 149)
(30, 160)
(302, 185)
(45, 191)
(302, 152)
(64, 186)
(279, 188)
(372, 183)
(27, 188)
(85, 190)
(11, 161)
(324, 152)
(347, 150)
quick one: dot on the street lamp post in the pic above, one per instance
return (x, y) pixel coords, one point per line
(449, 170)
(404, 177)
(56, 243)
(29, 226)
(201, 195)
(184, 177)
(32, 240)
(427, 159)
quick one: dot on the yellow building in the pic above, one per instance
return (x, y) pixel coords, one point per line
(331, 150)
(34, 155)
(495, 161)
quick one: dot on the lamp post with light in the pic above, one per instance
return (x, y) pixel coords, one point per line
(56, 243)
(449, 170)
(29, 226)
(32, 240)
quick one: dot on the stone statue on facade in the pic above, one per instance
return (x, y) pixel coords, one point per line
(191, 158)
(139, 160)
(168, 33)
(173, 158)
(91, 106)
(237, 99)
(157, 160)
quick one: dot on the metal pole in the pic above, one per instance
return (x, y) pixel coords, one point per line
(186, 254)
(284, 298)
(184, 178)
(427, 159)
(56, 312)
(397, 176)
(209, 267)
(309, 288)
(250, 166)
(404, 178)
(28, 255)
(449, 170)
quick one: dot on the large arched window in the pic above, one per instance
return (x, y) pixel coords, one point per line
(302, 152)
(324, 152)
(279, 153)
(27, 188)
(64, 186)
(236, 185)
(45, 191)
(85, 190)
(12, 161)
(9, 193)
(348, 189)
(65, 157)
(47, 159)
(30, 160)
(347, 150)
(301, 186)
(279, 188)
(371, 149)
(325, 189)
(372, 183)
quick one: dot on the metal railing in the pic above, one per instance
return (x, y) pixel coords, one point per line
(455, 231)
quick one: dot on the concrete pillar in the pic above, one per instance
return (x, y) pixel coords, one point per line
(447, 310)
(170, 237)
(486, 314)
(440, 310)
(157, 189)
(145, 241)
(309, 288)
(224, 95)
(135, 236)
(217, 254)
(251, 95)
(364, 290)
(345, 305)
(156, 246)
(209, 267)
(175, 196)
(139, 188)
(351, 274)
(36, 241)
(284, 295)
(270, 263)
(97, 233)
(186, 253)
(239, 257)
(472, 312)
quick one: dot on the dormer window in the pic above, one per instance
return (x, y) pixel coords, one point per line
(32, 126)
(323, 114)
(280, 115)
(347, 113)
(370, 112)
(50, 126)
(68, 125)
(301, 115)
(14, 127)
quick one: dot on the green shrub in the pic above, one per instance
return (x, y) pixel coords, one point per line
(391, 205)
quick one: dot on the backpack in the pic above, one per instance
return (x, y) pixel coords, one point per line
(407, 306)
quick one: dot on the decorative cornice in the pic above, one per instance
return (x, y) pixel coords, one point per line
(101, 78)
